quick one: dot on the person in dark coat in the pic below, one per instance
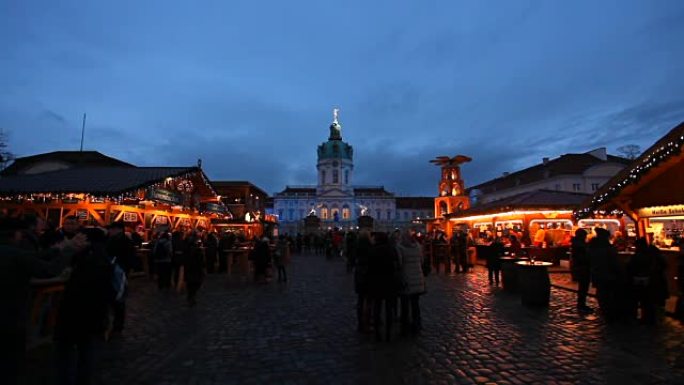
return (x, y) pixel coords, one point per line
(120, 249)
(581, 268)
(496, 251)
(361, 284)
(82, 317)
(646, 270)
(194, 268)
(211, 252)
(17, 267)
(384, 276)
(261, 257)
(226, 242)
(606, 274)
(161, 254)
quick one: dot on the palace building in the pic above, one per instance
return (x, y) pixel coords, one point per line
(335, 199)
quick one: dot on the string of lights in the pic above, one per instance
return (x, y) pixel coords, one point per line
(644, 165)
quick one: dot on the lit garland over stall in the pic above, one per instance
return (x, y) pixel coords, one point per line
(649, 160)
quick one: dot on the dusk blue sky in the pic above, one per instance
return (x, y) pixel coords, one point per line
(249, 86)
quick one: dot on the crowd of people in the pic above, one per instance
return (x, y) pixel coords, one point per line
(92, 263)
(625, 291)
(389, 271)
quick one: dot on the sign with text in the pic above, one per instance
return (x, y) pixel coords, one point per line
(661, 211)
(213, 207)
(162, 195)
(130, 217)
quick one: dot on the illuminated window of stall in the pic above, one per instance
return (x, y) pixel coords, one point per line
(611, 225)
(346, 213)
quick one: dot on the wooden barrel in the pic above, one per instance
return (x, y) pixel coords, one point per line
(509, 273)
(533, 283)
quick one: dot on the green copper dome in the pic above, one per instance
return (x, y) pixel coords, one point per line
(335, 149)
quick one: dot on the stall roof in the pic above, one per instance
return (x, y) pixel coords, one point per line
(662, 161)
(72, 159)
(91, 180)
(531, 200)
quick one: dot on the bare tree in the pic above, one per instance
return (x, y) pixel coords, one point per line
(5, 156)
(629, 151)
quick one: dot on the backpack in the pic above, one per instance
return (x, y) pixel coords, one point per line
(119, 281)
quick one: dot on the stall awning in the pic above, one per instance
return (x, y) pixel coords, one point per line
(656, 178)
(531, 200)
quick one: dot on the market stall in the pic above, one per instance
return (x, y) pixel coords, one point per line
(651, 192)
(144, 198)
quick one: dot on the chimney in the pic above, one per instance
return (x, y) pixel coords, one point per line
(545, 160)
(599, 153)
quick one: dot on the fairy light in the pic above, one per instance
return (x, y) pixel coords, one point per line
(655, 158)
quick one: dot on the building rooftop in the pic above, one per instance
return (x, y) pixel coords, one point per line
(568, 164)
(91, 180)
(70, 159)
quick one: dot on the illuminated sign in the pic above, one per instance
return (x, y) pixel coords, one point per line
(163, 196)
(661, 211)
(130, 217)
(213, 207)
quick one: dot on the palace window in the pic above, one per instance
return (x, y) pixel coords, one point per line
(389, 215)
(324, 213)
(291, 214)
(576, 187)
(346, 176)
(346, 213)
(377, 214)
(336, 177)
(323, 177)
(594, 186)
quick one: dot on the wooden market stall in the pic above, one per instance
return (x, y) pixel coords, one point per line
(651, 192)
(142, 197)
(541, 220)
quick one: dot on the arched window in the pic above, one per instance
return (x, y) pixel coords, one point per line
(443, 208)
(336, 177)
(346, 213)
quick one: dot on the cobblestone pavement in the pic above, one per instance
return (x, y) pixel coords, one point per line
(304, 332)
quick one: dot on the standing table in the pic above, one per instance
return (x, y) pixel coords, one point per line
(534, 283)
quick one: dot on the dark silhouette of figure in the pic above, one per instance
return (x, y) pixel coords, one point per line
(496, 251)
(82, 317)
(606, 274)
(581, 268)
(384, 277)
(646, 270)
(17, 267)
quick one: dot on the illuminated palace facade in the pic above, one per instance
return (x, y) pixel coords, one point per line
(334, 199)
